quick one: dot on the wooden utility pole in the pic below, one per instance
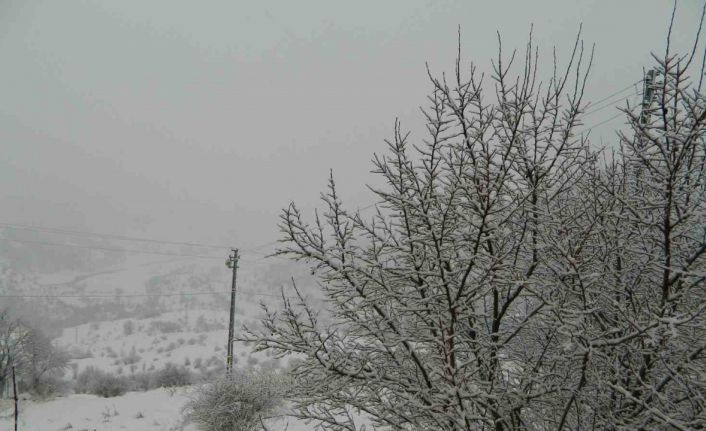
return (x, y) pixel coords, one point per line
(14, 391)
(232, 263)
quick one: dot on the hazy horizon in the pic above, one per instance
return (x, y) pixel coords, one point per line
(199, 121)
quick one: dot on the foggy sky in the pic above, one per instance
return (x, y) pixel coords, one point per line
(198, 121)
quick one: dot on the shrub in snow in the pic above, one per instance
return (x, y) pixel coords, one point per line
(141, 381)
(97, 382)
(78, 353)
(238, 402)
(128, 327)
(111, 353)
(171, 376)
(202, 325)
(164, 326)
(132, 358)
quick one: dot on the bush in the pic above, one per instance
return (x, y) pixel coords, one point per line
(141, 381)
(128, 327)
(111, 353)
(164, 327)
(79, 353)
(202, 325)
(132, 357)
(44, 387)
(238, 402)
(97, 382)
(171, 376)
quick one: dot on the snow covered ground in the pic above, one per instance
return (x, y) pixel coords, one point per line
(193, 339)
(156, 410)
(153, 410)
(186, 330)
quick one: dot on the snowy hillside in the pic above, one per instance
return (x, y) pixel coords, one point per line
(195, 339)
(135, 318)
(156, 410)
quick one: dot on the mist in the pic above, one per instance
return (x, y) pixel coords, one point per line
(199, 122)
(143, 144)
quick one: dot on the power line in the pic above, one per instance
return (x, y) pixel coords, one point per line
(43, 229)
(611, 104)
(256, 248)
(253, 249)
(106, 295)
(106, 235)
(619, 114)
(367, 206)
(260, 260)
(617, 92)
(121, 250)
(609, 119)
(140, 295)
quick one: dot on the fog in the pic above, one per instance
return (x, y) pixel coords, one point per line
(513, 281)
(198, 121)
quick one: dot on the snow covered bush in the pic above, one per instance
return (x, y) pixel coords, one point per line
(94, 381)
(164, 327)
(128, 327)
(510, 277)
(171, 376)
(238, 402)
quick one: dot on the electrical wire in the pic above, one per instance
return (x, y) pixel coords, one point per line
(607, 120)
(42, 229)
(619, 114)
(140, 295)
(612, 104)
(121, 250)
(105, 235)
(617, 92)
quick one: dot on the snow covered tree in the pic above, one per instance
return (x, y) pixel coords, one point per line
(13, 339)
(647, 365)
(44, 363)
(31, 353)
(510, 279)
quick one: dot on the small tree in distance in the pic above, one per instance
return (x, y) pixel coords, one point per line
(38, 364)
(510, 279)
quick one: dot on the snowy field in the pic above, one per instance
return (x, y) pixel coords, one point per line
(156, 410)
(194, 339)
(188, 331)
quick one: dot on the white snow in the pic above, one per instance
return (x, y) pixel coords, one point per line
(156, 410)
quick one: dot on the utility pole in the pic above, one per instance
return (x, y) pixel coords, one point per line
(648, 95)
(14, 391)
(232, 263)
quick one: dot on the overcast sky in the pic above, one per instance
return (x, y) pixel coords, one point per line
(199, 120)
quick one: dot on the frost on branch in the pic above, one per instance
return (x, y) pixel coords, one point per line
(511, 277)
